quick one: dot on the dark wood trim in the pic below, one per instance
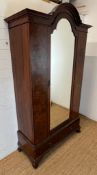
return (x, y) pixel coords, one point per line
(57, 1)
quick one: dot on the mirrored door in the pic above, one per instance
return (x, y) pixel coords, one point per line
(62, 54)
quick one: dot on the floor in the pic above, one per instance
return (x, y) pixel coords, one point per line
(76, 155)
(58, 115)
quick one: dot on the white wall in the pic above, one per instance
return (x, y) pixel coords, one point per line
(8, 122)
(13, 6)
(62, 52)
(88, 105)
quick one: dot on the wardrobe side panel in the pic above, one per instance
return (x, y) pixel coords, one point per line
(40, 58)
(19, 41)
(80, 46)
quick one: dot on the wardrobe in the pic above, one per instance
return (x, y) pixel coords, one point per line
(31, 37)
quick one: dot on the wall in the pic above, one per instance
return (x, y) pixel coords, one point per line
(88, 105)
(62, 51)
(13, 6)
(8, 123)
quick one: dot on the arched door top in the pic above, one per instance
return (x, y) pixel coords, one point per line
(68, 11)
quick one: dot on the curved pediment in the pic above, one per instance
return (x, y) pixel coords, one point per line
(68, 11)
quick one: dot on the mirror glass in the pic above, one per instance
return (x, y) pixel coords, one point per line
(62, 54)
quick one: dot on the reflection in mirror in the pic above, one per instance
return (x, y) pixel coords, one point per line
(62, 53)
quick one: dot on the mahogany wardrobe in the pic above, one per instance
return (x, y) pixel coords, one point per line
(31, 33)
